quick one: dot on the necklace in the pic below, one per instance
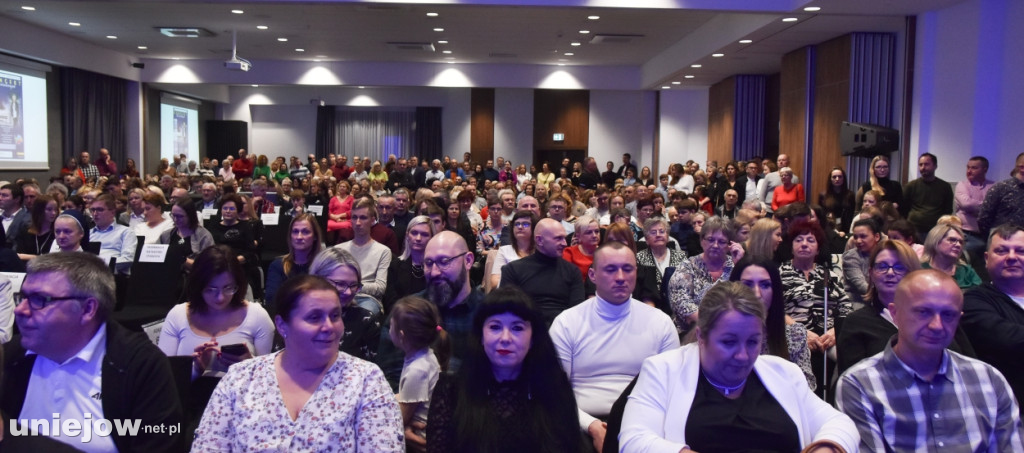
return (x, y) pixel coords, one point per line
(417, 271)
(723, 388)
(39, 247)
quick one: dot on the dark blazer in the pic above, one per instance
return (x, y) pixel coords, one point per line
(741, 187)
(995, 325)
(18, 226)
(137, 384)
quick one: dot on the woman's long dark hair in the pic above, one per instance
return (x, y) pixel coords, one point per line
(551, 408)
(775, 322)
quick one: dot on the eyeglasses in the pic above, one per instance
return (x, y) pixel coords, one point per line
(343, 286)
(883, 268)
(443, 263)
(40, 301)
(523, 225)
(229, 290)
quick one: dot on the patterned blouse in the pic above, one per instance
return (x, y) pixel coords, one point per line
(352, 410)
(688, 284)
(804, 297)
(796, 343)
(646, 258)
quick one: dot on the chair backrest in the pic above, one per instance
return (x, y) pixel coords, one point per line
(275, 237)
(155, 283)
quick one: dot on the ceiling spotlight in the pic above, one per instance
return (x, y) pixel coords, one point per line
(675, 82)
(362, 87)
(432, 14)
(575, 44)
(584, 32)
(282, 39)
(438, 29)
(74, 24)
(561, 64)
(28, 8)
(111, 37)
(666, 87)
(143, 47)
(451, 62)
(687, 76)
(237, 11)
(718, 55)
(569, 54)
(593, 17)
(442, 42)
(262, 27)
(746, 41)
(812, 9)
(695, 66)
(789, 19)
(255, 85)
(300, 50)
(175, 58)
(316, 60)
(446, 51)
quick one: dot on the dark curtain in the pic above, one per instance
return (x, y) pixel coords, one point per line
(428, 133)
(326, 136)
(95, 114)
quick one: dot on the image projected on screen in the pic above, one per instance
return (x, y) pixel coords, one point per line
(179, 127)
(23, 142)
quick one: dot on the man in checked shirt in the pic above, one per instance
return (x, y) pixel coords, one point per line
(918, 396)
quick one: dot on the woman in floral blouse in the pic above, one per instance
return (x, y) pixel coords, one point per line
(307, 397)
(699, 273)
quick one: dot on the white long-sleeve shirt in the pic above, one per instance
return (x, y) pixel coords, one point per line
(602, 347)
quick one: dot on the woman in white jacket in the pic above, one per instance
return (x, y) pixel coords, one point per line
(745, 401)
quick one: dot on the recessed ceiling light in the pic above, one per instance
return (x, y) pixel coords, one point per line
(362, 87)
(438, 29)
(666, 87)
(262, 27)
(583, 32)
(789, 19)
(432, 14)
(175, 58)
(237, 11)
(569, 54)
(746, 41)
(74, 24)
(593, 17)
(316, 60)
(451, 62)
(561, 64)
(111, 37)
(255, 85)
(143, 47)
(300, 50)
(282, 39)
(676, 82)
(718, 55)
(695, 66)
(442, 42)
(575, 44)
(28, 8)
(446, 51)
(812, 9)
(687, 76)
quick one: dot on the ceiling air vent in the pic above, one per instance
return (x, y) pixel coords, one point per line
(607, 38)
(416, 46)
(184, 32)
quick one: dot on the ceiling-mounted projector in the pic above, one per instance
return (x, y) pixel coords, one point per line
(236, 64)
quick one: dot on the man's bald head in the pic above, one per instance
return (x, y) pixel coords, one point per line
(549, 236)
(926, 310)
(928, 280)
(528, 203)
(449, 242)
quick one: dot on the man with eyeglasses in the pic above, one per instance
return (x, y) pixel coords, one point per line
(918, 396)
(553, 283)
(446, 264)
(994, 312)
(74, 361)
(558, 209)
(116, 241)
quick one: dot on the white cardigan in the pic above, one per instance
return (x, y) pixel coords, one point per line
(655, 417)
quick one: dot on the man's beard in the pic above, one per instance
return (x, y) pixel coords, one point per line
(443, 292)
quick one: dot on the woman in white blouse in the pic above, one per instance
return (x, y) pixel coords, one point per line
(215, 316)
(307, 397)
(154, 221)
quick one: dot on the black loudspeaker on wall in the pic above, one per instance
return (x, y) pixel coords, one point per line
(225, 137)
(867, 140)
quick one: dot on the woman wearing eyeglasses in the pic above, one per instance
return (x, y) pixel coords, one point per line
(522, 244)
(360, 313)
(216, 315)
(699, 273)
(944, 251)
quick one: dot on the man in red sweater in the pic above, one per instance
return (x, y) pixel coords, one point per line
(242, 167)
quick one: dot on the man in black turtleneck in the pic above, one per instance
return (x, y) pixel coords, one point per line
(553, 283)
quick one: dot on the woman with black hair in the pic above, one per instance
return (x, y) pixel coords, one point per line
(783, 337)
(838, 200)
(510, 394)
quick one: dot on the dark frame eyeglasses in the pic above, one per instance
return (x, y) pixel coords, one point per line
(41, 301)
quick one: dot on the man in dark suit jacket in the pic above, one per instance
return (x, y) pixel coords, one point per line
(627, 164)
(743, 186)
(15, 219)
